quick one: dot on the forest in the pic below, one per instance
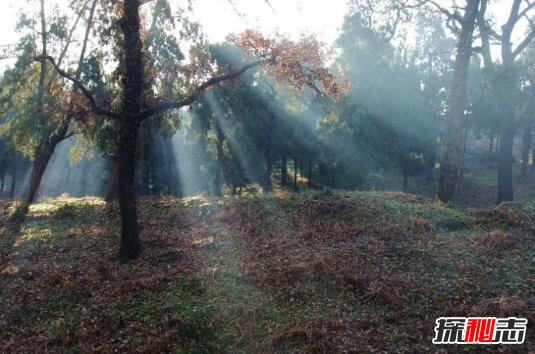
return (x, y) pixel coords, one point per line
(336, 189)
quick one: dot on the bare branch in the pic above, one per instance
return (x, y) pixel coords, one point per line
(530, 5)
(71, 32)
(513, 16)
(455, 16)
(524, 43)
(162, 106)
(94, 107)
(485, 32)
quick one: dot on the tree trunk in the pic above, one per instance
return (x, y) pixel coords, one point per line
(309, 173)
(132, 83)
(295, 172)
(38, 170)
(465, 137)
(451, 159)
(491, 142)
(2, 181)
(218, 179)
(51, 137)
(505, 159)
(533, 154)
(268, 155)
(126, 163)
(267, 185)
(503, 89)
(284, 169)
(527, 140)
(111, 184)
(14, 178)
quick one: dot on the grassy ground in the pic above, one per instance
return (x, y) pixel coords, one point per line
(311, 272)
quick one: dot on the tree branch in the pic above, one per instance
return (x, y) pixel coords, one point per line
(451, 15)
(529, 6)
(163, 106)
(524, 43)
(94, 107)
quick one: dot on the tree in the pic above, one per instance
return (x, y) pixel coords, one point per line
(301, 62)
(390, 103)
(453, 139)
(45, 123)
(504, 80)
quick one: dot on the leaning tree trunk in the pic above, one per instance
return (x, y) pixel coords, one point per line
(52, 137)
(38, 170)
(451, 159)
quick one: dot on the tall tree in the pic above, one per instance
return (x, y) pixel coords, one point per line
(47, 123)
(135, 108)
(453, 139)
(504, 82)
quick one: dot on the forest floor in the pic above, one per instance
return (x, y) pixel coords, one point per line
(294, 272)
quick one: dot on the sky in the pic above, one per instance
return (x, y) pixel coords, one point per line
(220, 18)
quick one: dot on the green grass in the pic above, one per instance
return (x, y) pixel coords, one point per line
(486, 177)
(216, 306)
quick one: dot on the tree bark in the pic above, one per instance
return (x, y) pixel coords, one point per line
(527, 141)
(218, 179)
(505, 156)
(284, 169)
(130, 246)
(267, 185)
(14, 178)
(38, 170)
(132, 83)
(2, 181)
(533, 154)
(503, 87)
(451, 159)
(111, 184)
(268, 155)
(309, 173)
(295, 172)
(51, 136)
